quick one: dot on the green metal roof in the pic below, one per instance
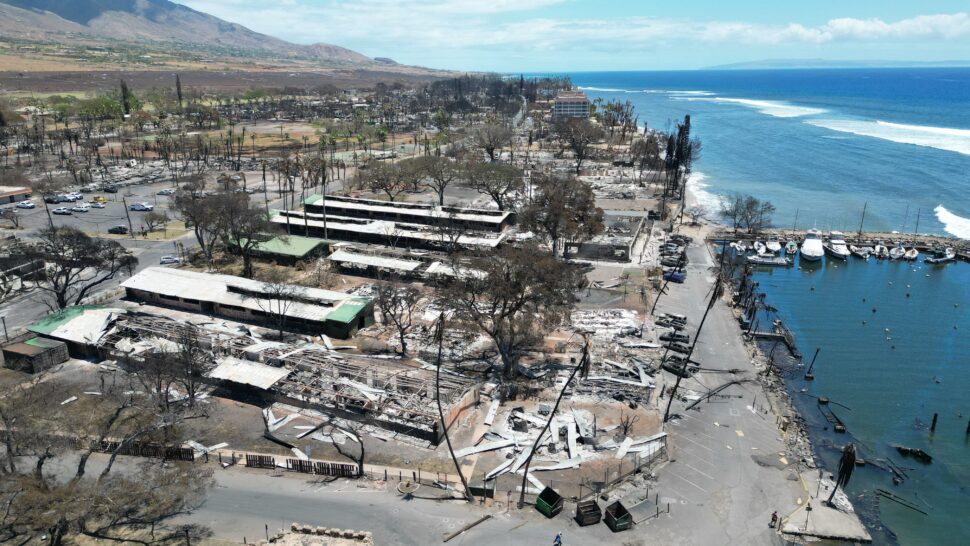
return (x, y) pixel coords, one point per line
(42, 343)
(348, 311)
(292, 245)
(313, 199)
(54, 321)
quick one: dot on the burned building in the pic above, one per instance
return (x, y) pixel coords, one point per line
(309, 310)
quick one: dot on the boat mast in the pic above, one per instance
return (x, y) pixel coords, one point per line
(917, 221)
(794, 224)
(863, 217)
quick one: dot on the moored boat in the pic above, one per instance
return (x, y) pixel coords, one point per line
(773, 245)
(760, 248)
(860, 251)
(881, 251)
(812, 249)
(941, 256)
(791, 248)
(769, 259)
(911, 255)
(897, 252)
(836, 246)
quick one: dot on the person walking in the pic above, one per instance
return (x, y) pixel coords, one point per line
(774, 520)
(558, 541)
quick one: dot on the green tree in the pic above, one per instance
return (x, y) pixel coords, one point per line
(563, 210)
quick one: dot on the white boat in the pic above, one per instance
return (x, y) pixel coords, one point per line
(760, 248)
(791, 248)
(897, 252)
(769, 259)
(941, 256)
(911, 255)
(812, 249)
(836, 246)
(861, 251)
(773, 245)
(881, 251)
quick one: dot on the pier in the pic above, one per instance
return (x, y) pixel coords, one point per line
(921, 242)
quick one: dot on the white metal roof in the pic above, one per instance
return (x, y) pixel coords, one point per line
(210, 287)
(397, 230)
(248, 373)
(415, 209)
(86, 328)
(375, 261)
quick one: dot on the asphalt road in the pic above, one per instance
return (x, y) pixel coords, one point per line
(719, 493)
(245, 501)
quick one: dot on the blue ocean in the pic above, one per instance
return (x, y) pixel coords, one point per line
(894, 337)
(820, 142)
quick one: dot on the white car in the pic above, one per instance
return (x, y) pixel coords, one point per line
(164, 260)
(61, 210)
(26, 205)
(141, 207)
(75, 196)
(97, 205)
(166, 191)
(81, 208)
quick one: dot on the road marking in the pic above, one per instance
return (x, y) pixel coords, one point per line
(688, 481)
(740, 433)
(694, 442)
(706, 475)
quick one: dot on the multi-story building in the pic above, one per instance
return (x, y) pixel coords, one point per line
(571, 104)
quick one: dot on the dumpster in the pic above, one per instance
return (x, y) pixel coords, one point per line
(617, 517)
(549, 502)
(588, 513)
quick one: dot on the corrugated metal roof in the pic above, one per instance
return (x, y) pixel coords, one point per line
(214, 288)
(248, 373)
(291, 245)
(374, 261)
(347, 312)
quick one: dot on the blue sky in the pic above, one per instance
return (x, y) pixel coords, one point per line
(577, 35)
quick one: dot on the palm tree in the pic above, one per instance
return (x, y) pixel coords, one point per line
(846, 466)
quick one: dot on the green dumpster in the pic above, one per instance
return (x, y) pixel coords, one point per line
(617, 517)
(588, 513)
(549, 503)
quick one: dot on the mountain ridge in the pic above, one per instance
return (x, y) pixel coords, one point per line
(151, 21)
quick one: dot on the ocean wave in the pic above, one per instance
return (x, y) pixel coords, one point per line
(957, 226)
(607, 90)
(697, 186)
(690, 93)
(773, 108)
(941, 138)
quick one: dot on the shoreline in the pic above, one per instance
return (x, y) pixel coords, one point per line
(790, 422)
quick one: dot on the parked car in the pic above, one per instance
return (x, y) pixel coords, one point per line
(164, 260)
(26, 205)
(141, 207)
(110, 189)
(98, 205)
(100, 199)
(52, 199)
(679, 338)
(118, 230)
(675, 276)
(166, 191)
(81, 208)
(61, 210)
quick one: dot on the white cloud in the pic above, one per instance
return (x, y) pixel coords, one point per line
(414, 29)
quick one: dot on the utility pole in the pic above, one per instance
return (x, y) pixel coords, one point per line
(583, 365)
(440, 334)
(131, 228)
(715, 294)
(50, 219)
